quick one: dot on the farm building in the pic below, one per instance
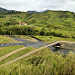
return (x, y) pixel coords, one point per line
(22, 23)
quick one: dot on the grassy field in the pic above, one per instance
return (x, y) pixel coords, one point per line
(24, 37)
(53, 38)
(44, 62)
(5, 50)
(18, 54)
(4, 39)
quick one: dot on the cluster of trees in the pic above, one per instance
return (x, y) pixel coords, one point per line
(11, 22)
(26, 30)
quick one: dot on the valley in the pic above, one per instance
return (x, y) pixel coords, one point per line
(37, 43)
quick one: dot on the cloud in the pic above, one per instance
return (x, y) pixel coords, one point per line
(39, 5)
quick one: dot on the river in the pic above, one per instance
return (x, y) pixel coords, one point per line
(37, 44)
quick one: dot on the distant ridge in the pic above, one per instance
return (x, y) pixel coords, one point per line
(6, 11)
(37, 11)
(3, 9)
(32, 11)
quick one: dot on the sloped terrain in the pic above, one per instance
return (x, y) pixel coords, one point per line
(43, 62)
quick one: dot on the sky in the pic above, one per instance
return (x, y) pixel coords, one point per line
(38, 5)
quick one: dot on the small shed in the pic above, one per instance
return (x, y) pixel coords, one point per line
(22, 23)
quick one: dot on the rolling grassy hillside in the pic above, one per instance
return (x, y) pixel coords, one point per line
(44, 62)
(57, 23)
(48, 26)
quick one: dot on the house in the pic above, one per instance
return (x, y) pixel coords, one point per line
(22, 23)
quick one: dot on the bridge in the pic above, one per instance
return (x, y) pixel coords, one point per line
(58, 43)
(63, 44)
(67, 45)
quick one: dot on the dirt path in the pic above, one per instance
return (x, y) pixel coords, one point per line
(13, 52)
(25, 55)
(67, 42)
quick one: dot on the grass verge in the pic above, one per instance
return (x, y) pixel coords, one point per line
(53, 38)
(6, 50)
(16, 55)
(4, 39)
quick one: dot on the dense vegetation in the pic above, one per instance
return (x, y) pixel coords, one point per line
(44, 62)
(57, 23)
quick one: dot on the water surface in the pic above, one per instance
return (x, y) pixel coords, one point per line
(37, 44)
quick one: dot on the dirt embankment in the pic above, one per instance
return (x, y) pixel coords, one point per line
(68, 45)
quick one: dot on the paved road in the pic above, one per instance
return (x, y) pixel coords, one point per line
(25, 55)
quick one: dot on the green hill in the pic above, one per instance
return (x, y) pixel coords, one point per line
(56, 23)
